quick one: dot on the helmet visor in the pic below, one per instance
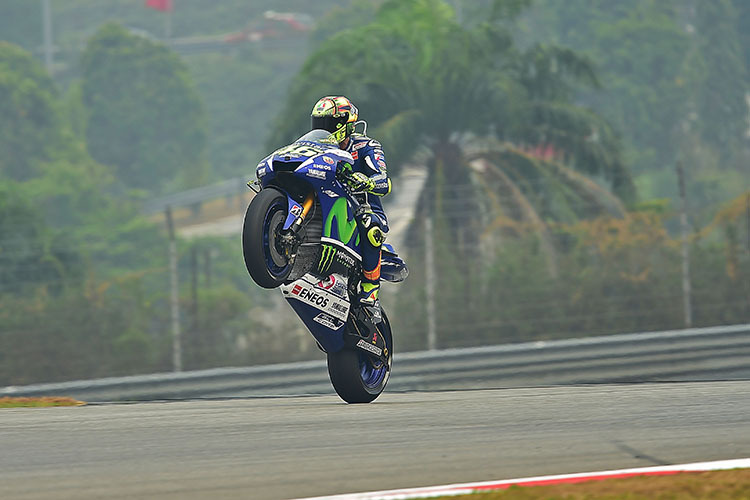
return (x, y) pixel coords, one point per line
(328, 122)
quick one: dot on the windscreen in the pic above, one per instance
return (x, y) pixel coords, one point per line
(318, 135)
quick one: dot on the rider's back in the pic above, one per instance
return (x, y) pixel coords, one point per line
(370, 160)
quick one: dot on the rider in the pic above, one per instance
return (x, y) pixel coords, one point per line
(368, 176)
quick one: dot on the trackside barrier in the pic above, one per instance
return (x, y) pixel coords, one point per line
(721, 352)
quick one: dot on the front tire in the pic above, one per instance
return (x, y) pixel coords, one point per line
(264, 218)
(357, 376)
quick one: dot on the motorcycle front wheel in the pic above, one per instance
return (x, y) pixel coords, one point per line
(264, 259)
(359, 377)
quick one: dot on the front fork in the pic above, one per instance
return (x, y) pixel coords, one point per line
(288, 238)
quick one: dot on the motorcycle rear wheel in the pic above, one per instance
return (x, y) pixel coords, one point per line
(359, 377)
(264, 218)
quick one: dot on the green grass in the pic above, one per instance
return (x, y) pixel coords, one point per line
(8, 402)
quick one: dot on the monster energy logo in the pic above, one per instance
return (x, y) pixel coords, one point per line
(326, 258)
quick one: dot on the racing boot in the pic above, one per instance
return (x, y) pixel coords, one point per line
(368, 299)
(373, 237)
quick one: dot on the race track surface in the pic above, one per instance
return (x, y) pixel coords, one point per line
(273, 448)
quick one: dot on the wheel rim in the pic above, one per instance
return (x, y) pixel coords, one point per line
(273, 222)
(373, 370)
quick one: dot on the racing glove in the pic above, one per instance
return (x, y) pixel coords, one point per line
(359, 182)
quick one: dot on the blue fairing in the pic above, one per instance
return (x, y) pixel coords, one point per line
(293, 211)
(317, 166)
(316, 162)
(331, 340)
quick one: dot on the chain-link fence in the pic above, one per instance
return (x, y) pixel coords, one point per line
(74, 309)
(504, 276)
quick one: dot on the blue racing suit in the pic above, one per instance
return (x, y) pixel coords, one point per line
(370, 160)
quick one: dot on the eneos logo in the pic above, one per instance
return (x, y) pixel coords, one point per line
(310, 296)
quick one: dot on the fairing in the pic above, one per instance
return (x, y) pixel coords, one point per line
(311, 162)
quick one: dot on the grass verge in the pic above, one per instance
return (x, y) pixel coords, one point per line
(8, 402)
(713, 485)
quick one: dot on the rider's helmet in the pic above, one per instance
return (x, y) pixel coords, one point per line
(337, 115)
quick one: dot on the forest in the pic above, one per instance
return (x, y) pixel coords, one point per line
(555, 136)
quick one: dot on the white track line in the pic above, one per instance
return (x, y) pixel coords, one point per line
(466, 488)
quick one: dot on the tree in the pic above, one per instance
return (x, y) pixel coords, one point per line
(30, 122)
(236, 89)
(424, 80)
(477, 107)
(742, 8)
(721, 88)
(31, 253)
(144, 116)
(638, 48)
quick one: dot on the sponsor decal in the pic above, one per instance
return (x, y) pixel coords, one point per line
(340, 290)
(339, 308)
(318, 174)
(336, 286)
(362, 344)
(326, 258)
(261, 172)
(355, 155)
(329, 193)
(338, 218)
(345, 259)
(333, 302)
(296, 210)
(329, 160)
(328, 283)
(328, 321)
(310, 296)
(359, 145)
(381, 163)
(317, 163)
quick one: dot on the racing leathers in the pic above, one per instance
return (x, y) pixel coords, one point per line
(370, 177)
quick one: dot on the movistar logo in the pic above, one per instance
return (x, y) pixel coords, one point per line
(346, 228)
(326, 258)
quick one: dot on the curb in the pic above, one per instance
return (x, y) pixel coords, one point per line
(468, 488)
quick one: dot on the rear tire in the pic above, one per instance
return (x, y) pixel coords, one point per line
(264, 218)
(359, 377)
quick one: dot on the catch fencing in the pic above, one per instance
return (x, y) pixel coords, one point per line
(721, 352)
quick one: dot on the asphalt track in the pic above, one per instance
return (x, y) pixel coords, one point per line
(290, 447)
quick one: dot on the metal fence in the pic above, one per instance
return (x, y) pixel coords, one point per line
(721, 352)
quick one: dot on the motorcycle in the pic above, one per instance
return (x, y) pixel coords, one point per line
(300, 235)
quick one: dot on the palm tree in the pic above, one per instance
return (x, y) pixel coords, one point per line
(478, 104)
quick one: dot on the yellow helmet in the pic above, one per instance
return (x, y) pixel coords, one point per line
(337, 115)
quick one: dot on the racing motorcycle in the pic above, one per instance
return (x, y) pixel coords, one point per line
(300, 235)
